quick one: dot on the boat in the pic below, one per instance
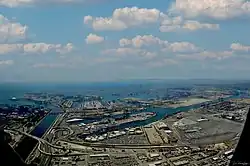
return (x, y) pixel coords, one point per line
(13, 99)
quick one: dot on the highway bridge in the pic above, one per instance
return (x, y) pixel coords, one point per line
(44, 143)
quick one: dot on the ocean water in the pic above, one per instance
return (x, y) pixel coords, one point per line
(7, 91)
(140, 90)
(105, 90)
(143, 90)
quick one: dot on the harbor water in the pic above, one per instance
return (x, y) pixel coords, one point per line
(106, 91)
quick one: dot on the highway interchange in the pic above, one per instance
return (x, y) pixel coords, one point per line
(44, 143)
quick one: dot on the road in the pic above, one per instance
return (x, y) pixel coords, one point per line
(46, 143)
(45, 147)
(124, 146)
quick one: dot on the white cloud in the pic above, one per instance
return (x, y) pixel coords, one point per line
(140, 41)
(15, 3)
(218, 9)
(181, 47)
(136, 16)
(6, 62)
(124, 18)
(125, 42)
(206, 55)
(66, 49)
(170, 24)
(217, 55)
(148, 55)
(10, 30)
(94, 39)
(150, 40)
(10, 48)
(129, 52)
(87, 19)
(39, 47)
(169, 28)
(35, 48)
(239, 47)
(195, 25)
(18, 3)
(108, 24)
(168, 20)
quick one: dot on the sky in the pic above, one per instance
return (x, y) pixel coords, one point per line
(105, 40)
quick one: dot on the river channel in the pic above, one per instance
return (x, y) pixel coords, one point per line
(27, 144)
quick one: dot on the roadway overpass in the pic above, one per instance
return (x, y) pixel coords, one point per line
(86, 144)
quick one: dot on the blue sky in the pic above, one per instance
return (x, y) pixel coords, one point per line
(104, 40)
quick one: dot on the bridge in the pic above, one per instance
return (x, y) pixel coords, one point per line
(44, 142)
(68, 150)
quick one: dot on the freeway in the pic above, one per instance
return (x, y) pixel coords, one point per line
(124, 146)
(44, 142)
(96, 145)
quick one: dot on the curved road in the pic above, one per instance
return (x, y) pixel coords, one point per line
(44, 142)
(96, 145)
(70, 131)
